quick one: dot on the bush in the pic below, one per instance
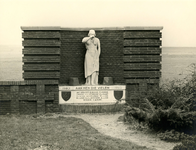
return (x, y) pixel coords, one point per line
(172, 136)
(187, 144)
(133, 112)
(162, 119)
(169, 109)
(175, 92)
(171, 118)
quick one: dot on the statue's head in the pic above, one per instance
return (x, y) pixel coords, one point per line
(91, 32)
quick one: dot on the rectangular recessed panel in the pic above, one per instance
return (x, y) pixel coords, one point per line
(131, 90)
(41, 34)
(27, 89)
(40, 59)
(142, 50)
(5, 107)
(142, 74)
(46, 82)
(4, 88)
(142, 58)
(142, 42)
(42, 75)
(27, 107)
(49, 106)
(44, 67)
(142, 66)
(142, 34)
(41, 42)
(41, 51)
(133, 81)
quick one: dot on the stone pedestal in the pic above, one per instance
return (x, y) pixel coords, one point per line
(91, 95)
(73, 81)
(107, 81)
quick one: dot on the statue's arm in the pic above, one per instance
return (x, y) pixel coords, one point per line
(85, 39)
(99, 46)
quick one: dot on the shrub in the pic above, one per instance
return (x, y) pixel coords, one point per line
(171, 119)
(162, 119)
(168, 108)
(133, 112)
(172, 136)
(176, 91)
(169, 94)
(187, 144)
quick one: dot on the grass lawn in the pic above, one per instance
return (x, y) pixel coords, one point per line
(46, 133)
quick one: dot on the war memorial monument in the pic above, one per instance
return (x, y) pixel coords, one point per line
(83, 69)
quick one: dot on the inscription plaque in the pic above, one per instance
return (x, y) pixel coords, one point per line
(91, 94)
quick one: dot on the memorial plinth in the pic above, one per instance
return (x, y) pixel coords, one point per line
(92, 95)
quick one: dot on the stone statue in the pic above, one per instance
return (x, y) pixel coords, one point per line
(91, 63)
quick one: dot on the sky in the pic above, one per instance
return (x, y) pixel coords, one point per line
(177, 17)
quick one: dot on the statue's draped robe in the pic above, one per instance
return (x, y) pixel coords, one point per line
(91, 63)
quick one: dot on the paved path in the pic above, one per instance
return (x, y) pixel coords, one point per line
(108, 124)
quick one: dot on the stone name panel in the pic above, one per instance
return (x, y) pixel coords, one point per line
(96, 95)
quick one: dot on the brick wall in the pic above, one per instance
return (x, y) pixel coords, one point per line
(142, 57)
(131, 55)
(5, 107)
(126, 53)
(41, 53)
(28, 97)
(4, 89)
(73, 53)
(72, 56)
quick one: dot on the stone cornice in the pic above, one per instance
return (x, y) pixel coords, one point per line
(40, 28)
(26, 28)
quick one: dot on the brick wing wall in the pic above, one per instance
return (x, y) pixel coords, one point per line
(141, 59)
(41, 53)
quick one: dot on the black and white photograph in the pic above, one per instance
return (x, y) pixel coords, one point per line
(97, 74)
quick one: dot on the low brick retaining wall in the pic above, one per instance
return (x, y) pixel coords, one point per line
(28, 97)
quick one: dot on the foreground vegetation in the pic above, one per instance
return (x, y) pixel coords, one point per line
(34, 132)
(170, 110)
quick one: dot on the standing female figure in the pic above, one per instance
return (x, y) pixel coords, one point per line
(91, 63)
